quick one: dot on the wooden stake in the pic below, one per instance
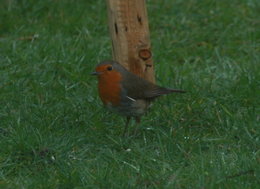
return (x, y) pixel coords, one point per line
(129, 31)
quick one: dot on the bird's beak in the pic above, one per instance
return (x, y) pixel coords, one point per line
(94, 73)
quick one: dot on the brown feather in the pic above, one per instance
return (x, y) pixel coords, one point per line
(139, 88)
(136, 87)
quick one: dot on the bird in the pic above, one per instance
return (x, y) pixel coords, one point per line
(126, 93)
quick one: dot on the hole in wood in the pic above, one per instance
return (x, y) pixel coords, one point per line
(139, 19)
(126, 28)
(116, 29)
(145, 54)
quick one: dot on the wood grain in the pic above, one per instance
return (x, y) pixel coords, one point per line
(129, 30)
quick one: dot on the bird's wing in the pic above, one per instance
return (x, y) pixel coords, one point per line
(139, 88)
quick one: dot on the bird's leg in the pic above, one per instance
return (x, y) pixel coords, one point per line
(126, 125)
(137, 120)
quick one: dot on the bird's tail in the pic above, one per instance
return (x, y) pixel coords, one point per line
(176, 91)
(158, 91)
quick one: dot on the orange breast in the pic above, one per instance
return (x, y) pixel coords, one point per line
(109, 88)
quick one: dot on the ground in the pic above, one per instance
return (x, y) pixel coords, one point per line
(55, 132)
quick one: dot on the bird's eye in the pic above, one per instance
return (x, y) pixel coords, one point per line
(109, 68)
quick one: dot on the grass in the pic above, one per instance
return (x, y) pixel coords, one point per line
(56, 134)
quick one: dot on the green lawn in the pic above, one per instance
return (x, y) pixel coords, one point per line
(55, 133)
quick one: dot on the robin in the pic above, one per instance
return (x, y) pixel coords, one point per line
(126, 93)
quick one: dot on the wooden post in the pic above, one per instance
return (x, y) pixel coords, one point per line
(129, 31)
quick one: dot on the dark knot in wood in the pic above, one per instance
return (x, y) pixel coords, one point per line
(116, 28)
(139, 18)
